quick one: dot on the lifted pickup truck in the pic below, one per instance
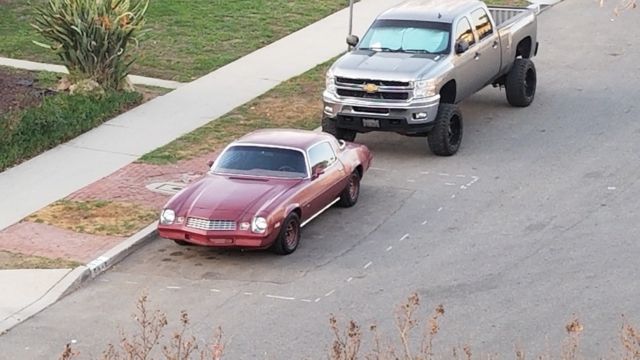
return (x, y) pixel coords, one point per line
(421, 58)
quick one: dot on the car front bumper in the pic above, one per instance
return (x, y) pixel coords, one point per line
(407, 117)
(221, 239)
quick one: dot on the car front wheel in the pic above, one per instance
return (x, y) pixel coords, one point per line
(289, 236)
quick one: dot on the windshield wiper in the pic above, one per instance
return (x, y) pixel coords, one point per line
(421, 51)
(383, 49)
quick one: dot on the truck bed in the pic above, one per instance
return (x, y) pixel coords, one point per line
(503, 15)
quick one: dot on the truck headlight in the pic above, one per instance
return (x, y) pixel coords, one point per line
(330, 82)
(167, 217)
(424, 88)
(259, 225)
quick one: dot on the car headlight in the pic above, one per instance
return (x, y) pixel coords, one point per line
(167, 217)
(259, 225)
(330, 82)
(424, 88)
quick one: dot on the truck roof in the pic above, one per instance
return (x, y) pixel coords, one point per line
(430, 10)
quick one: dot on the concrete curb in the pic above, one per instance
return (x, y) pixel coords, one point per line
(36, 66)
(81, 275)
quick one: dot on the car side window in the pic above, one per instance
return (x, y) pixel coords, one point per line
(482, 23)
(321, 155)
(464, 32)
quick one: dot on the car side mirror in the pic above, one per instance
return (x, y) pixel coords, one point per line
(342, 144)
(353, 40)
(210, 163)
(462, 46)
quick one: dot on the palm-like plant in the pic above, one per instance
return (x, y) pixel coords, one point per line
(92, 37)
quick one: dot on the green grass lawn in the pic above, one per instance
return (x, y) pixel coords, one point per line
(186, 39)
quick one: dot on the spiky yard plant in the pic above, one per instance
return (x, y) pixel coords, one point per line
(93, 37)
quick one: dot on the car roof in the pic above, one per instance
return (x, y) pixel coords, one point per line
(299, 139)
(430, 10)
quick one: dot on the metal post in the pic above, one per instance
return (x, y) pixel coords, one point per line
(350, 22)
(350, 17)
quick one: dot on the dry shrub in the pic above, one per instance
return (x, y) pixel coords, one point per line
(145, 342)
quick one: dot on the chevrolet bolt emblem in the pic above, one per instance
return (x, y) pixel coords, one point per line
(370, 88)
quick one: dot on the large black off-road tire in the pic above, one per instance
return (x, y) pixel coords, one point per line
(521, 83)
(350, 194)
(289, 236)
(446, 135)
(329, 126)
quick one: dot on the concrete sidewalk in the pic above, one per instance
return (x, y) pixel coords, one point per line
(71, 166)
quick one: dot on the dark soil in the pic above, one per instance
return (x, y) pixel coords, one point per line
(18, 90)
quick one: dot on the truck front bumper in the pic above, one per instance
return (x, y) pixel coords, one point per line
(410, 117)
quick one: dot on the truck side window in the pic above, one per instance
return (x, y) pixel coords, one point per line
(464, 32)
(482, 23)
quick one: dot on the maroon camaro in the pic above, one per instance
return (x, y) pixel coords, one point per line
(263, 188)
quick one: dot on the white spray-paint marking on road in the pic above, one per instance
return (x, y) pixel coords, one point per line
(405, 236)
(306, 300)
(280, 297)
(425, 222)
(131, 282)
(330, 293)
(440, 208)
(443, 174)
(216, 290)
(368, 264)
(411, 180)
(461, 176)
(174, 287)
(450, 184)
(248, 293)
(453, 196)
(611, 188)
(389, 248)
(350, 279)
(317, 300)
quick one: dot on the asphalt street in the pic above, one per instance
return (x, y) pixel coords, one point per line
(534, 220)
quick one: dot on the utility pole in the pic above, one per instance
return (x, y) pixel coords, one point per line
(350, 22)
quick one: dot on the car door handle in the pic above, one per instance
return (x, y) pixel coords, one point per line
(495, 45)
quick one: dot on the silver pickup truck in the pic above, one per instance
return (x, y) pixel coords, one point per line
(421, 58)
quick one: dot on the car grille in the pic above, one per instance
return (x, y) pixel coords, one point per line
(387, 90)
(205, 224)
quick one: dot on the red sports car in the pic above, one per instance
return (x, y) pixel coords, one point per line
(263, 188)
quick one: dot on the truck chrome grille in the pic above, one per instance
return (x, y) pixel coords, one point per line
(387, 90)
(205, 224)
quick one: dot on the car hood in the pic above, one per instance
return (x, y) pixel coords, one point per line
(220, 197)
(365, 64)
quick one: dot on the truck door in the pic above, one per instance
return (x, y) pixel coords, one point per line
(467, 71)
(487, 53)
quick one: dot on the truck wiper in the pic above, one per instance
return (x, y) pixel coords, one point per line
(421, 51)
(383, 49)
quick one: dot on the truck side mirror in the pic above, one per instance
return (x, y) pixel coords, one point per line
(353, 40)
(461, 46)
(209, 163)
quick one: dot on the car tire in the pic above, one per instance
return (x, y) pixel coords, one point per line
(351, 192)
(446, 135)
(182, 243)
(521, 83)
(289, 236)
(329, 126)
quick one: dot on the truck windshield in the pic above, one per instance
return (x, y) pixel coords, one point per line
(407, 36)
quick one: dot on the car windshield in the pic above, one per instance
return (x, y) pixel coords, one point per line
(262, 161)
(407, 36)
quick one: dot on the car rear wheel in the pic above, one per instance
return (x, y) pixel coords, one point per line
(446, 135)
(521, 83)
(289, 236)
(329, 126)
(350, 194)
